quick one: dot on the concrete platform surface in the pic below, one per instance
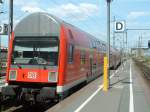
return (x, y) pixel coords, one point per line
(127, 94)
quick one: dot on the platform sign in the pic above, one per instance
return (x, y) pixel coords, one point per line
(3, 29)
(120, 26)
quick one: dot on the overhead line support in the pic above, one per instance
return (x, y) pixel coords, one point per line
(108, 39)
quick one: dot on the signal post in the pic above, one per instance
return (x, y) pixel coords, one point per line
(108, 40)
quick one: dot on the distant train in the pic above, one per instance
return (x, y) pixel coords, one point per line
(48, 57)
(3, 61)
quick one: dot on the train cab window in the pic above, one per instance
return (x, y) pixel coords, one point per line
(70, 53)
(35, 51)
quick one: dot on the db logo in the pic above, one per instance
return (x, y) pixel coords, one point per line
(32, 75)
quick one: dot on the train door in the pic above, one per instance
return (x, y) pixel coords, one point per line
(89, 76)
(91, 66)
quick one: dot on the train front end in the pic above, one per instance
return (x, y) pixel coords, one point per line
(32, 72)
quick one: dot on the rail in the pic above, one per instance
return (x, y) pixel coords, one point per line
(144, 66)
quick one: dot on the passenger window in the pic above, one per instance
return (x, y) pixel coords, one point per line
(70, 34)
(83, 57)
(70, 53)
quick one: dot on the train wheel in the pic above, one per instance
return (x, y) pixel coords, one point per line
(56, 100)
(1, 98)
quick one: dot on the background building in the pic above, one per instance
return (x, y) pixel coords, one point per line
(138, 52)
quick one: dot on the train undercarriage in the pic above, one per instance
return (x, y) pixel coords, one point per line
(29, 96)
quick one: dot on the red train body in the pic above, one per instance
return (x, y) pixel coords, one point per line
(47, 57)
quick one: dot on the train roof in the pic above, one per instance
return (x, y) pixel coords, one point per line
(38, 24)
(42, 24)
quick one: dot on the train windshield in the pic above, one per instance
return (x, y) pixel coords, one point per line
(35, 51)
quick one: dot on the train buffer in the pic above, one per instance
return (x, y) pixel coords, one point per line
(128, 93)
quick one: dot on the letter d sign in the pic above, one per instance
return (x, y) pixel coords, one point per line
(119, 26)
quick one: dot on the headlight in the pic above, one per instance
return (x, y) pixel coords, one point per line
(12, 75)
(52, 76)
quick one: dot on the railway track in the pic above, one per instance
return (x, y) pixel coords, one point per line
(144, 67)
(11, 107)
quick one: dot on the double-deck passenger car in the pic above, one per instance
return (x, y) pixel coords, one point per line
(48, 57)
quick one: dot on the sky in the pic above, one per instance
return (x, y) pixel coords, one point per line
(88, 15)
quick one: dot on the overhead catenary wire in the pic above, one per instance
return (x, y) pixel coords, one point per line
(75, 17)
(93, 18)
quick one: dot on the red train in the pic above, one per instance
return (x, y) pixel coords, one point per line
(48, 57)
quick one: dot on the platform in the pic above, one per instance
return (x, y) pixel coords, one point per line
(128, 93)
